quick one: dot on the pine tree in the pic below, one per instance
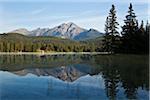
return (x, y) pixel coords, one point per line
(146, 35)
(112, 22)
(129, 31)
(131, 24)
(142, 27)
(106, 41)
(139, 38)
(110, 42)
(147, 28)
(106, 26)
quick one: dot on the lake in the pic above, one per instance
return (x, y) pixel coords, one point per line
(74, 77)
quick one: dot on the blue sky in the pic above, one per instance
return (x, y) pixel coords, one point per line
(32, 14)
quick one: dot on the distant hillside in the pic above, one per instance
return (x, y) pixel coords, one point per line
(14, 42)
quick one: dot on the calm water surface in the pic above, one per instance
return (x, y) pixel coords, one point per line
(74, 77)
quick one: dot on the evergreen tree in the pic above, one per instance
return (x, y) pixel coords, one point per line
(142, 26)
(106, 41)
(147, 28)
(129, 31)
(107, 26)
(112, 28)
(146, 35)
(110, 42)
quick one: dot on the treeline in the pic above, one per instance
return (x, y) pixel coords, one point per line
(133, 38)
(13, 42)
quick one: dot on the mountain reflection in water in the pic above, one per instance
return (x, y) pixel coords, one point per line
(69, 74)
(93, 77)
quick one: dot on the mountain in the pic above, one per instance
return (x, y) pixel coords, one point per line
(65, 30)
(21, 31)
(69, 30)
(39, 31)
(89, 34)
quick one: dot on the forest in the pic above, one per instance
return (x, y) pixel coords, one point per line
(133, 38)
(14, 42)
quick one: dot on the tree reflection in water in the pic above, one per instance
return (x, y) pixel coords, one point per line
(129, 72)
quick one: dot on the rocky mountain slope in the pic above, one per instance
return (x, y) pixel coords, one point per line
(65, 30)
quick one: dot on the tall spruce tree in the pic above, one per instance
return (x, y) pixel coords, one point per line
(110, 42)
(147, 28)
(106, 41)
(139, 43)
(107, 26)
(147, 32)
(129, 31)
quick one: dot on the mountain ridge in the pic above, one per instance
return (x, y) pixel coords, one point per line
(65, 30)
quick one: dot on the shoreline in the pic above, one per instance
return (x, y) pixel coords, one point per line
(52, 53)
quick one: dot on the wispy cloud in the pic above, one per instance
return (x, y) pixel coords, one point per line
(48, 13)
(38, 11)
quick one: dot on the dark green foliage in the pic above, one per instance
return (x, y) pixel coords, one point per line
(111, 38)
(129, 31)
(146, 37)
(134, 38)
(13, 42)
